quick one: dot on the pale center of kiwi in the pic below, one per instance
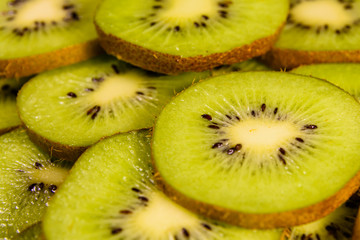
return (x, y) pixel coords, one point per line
(185, 9)
(40, 11)
(162, 215)
(323, 12)
(49, 175)
(262, 135)
(117, 86)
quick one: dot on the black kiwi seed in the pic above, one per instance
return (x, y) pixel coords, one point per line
(238, 147)
(310, 126)
(41, 186)
(196, 24)
(230, 151)
(71, 94)
(263, 107)
(213, 127)
(299, 139)
(139, 93)
(32, 187)
(116, 230)
(135, 190)
(217, 145)
(38, 165)
(253, 113)
(207, 117)
(203, 24)
(116, 70)
(125, 211)
(94, 111)
(152, 23)
(89, 89)
(206, 226)
(282, 160)
(68, 6)
(177, 28)
(52, 188)
(185, 232)
(205, 17)
(275, 110)
(97, 79)
(282, 151)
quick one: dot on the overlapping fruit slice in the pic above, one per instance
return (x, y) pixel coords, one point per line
(318, 31)
(118, 200)
(259, 149)
(29, 178)
(68, 109)
(172, 36)
(37, 35)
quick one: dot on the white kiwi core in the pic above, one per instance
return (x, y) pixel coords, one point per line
(50, 175)
(116, 87)
(323, 12)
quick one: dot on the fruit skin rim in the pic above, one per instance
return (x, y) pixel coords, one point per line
(174, 64)
(258, 220)
(278, 58)
(26, 66)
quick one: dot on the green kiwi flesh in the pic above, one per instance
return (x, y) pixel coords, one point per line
(29, 178)
(73, 107)
(110, 194)
(8, 91)
(338, 225)
(174, 36)
(343, 75)
(30, 29)
(318, 31)
(34, 232)
(230, 148)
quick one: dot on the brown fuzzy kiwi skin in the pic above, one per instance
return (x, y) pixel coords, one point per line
(26, 66)
(174, 64)
(278, 58)
(262, 221)
(5, 130)
(55, 149)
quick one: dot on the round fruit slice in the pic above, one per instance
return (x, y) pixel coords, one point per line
(338, 225)
(38, 35)
(318, 31)
(110, 194)
(68, 109)
(28, 179)
(173, 36)
(9, 117)
(343, 75)
(259, 149)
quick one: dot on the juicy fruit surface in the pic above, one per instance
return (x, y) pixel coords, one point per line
(8, 91)
(33, 27)
(28, 180)
(343, 75)
(97, 98)
(231, 142)
(184, 28)
(322, 25)
(127, 205)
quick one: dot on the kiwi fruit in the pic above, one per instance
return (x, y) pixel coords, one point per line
(8, 91)
(172, 36)
(29, 178)
(119, 200)
(338, 225)
(68, 109)
(231, 149)
(38, 35)
(343, 75)
(318, 31)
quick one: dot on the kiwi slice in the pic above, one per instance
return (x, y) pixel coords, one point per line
(338, 225)
(28, 179)
(259, 149)
(8, 90)
(249, 65)
(68, 109)
(33, 232)
(110, 194)
(343, 75)
(172, 36)
(38, 35)
(318, 31)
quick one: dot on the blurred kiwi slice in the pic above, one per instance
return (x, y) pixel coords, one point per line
(68, 109)
(338, 225)
(29, 178)
(172, 36)
(110, 194)
(249, 65)
(38, 35)
(343, 75)
(259, 149)
(8, 91)
(318, 31)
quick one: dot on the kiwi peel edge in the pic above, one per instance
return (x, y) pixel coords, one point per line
(174, 64)
(26, 66)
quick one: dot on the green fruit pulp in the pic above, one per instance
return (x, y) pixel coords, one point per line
(106, 102)
(171, 26)
(315, 123)
(104, 198)
(49, 37)
(343, 75)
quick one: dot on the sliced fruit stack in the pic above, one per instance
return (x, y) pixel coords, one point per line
(181, 133)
